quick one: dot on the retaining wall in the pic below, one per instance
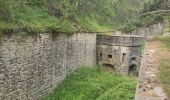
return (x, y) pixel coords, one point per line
(31, 66)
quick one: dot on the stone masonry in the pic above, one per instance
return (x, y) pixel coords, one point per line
(33, 66)
(155, 29)
(121, 52)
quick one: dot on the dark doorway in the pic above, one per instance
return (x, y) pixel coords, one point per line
(132, 70)
(109, 68)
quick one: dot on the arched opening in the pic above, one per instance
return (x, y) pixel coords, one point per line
(132, 70)
(109, 67)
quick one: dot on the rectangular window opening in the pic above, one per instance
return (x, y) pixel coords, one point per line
(101, 55)
(123, 57)
(109, 56)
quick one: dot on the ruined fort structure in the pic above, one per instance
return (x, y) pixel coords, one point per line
(31, 66)
(122, 52)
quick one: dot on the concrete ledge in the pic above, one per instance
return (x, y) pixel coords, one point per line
(120, 40)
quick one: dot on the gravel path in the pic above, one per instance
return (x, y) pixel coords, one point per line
(149, 87)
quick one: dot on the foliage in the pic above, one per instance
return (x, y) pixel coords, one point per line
(148, 19)
(92, 84)
(155, 5)
(167, 19)
(142, 21)
(67, 15)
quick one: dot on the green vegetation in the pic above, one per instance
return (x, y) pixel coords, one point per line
(164, 39)
(164, 63)
(167, 18)
(78, 15)
(94, 84)
(165, 74)
(70, 16)
(143, 48)
(146, 19)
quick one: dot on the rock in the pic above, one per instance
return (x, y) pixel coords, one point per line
(149, 87)
(165, 99)
(140, 86)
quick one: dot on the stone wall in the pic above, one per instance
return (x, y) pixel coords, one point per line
(32, 66)
(155, 29)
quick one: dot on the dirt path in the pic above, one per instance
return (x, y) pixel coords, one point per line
(149, 87)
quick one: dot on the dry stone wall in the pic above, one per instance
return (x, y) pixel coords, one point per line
(33, 66)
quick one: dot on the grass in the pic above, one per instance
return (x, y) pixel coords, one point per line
(92, 25)
(143, 48)
(165, 74)
(37, 19)
(32, 16)
(164, 39)
(165, 64)
(93, 84)
(34, 19)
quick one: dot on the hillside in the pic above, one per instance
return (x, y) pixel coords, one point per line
(33, 16)
(153, 11)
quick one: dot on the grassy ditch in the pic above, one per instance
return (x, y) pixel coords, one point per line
(94, 84)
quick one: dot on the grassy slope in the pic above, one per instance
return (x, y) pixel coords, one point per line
(92, 84)
(35, 18)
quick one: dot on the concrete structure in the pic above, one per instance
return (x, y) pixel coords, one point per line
(121, 52)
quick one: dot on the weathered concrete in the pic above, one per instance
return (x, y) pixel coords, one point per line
(32, 66)
(120, 51)
(155, 29)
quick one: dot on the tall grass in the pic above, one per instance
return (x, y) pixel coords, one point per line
(165, 64)
(164, 39)
(37, 19)
(70, 15)
(143, 48)
(94, 84)
(165, 74)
